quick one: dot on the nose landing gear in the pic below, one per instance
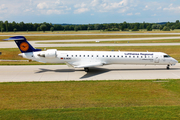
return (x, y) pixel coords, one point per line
(167, 67)
(86, 69)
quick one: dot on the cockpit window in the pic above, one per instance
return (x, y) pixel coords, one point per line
(166, 56)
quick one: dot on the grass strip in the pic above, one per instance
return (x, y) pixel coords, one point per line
(131, 41)
(133, 113)
(73, 37)
(88, 94)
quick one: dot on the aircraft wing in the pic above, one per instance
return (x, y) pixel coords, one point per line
(84, 65)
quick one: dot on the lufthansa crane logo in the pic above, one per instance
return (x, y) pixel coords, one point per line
(24, 46)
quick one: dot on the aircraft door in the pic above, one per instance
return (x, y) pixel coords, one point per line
(156, 60)
(63, 56)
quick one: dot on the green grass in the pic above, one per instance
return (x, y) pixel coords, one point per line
(131, 41)
(90, 100)
(133, 113)
(53, 95)
(87, 32)
(73, 37)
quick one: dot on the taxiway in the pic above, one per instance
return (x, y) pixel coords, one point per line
(64, 73)
(11, 44)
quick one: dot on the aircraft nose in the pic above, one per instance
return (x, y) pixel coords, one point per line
(174, 61)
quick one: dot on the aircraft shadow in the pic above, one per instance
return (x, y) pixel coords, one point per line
(94, 72)
(42, 70)
(98, 71)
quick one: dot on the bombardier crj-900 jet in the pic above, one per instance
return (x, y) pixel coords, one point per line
(88, 59)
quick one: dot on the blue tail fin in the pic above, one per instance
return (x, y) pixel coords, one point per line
(23, 45)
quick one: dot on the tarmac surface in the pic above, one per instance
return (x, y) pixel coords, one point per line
(11, 44)
(109, 72)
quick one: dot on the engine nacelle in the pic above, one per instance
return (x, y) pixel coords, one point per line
(51, 53)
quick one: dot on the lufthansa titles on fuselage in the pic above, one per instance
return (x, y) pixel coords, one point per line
(138, 53)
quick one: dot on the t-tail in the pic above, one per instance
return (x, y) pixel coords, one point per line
(23, 45)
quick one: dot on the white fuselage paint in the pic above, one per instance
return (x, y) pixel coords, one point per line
(80, 58)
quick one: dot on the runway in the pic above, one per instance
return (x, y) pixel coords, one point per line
(11, 44)
(64, 73)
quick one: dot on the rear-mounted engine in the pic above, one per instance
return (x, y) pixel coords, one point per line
(51, 53)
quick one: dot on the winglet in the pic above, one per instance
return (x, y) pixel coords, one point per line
(23, 45)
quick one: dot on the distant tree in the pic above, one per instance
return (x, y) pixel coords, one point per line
(177, 26)
(166, 28)
(6, 24)
(177, 21)
(66, 27)
(2, 29)
(158, 26)
(161, 27)
(76, 28)
(43, 27)
(135, 28)
(173, 27)
(38, 28)
(96, 26)
(116, 29)
(14, 29)
(154, 26)
(52, 29)
(22, 26)
(71, 27)
(149, 28)
(89, 28)
(122, 28)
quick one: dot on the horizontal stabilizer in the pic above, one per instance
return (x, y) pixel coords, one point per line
(14, 38)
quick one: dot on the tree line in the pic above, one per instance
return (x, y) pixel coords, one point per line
(7, 26)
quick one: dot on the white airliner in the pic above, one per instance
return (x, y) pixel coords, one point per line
(88, 59)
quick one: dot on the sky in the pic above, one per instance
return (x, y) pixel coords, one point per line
(89, 11)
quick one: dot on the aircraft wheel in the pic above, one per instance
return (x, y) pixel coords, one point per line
(86, 69)
(167, 67)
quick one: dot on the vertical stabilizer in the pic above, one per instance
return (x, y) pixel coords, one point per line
(23, 45)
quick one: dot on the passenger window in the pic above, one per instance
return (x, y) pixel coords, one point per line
(92, 55)
(110, 56)
(118, 56)
(106, 55)
(122, 56)
(114, 56)
(79, 55)
(103, 56)
(88, 56)
(71, 55)
(97, 55)
(76, 55)
(67, 55)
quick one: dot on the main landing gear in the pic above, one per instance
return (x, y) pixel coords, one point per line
(167, 67)
(86, 69)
